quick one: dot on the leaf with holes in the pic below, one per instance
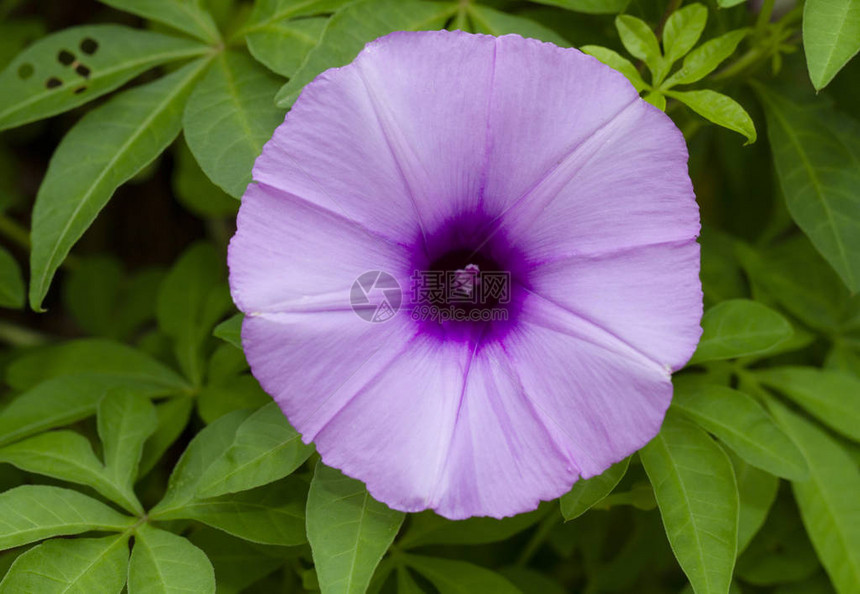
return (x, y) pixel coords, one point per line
(283, 45)
(70, 566)
(816, 151)
(166, 563)
(184, 15)
(118, 139)
(229, 116)
(74, 66)
(34, 512)
(696, 491)
(359, 23)
(349, 531)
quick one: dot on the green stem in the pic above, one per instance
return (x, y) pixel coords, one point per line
(538, 538)
(21, 337)
(763, 19)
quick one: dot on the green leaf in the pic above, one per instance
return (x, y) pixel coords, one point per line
(641, 43)
(817, 156)
(266, 12)
(184, 15)
(357, 24)
(349, 531)
(206, 447)
(757, 491)
(11, 281)
(427, 528)
(682, 30)
(226, 395)
(720, 109)
(704, 59)
(238, 563)
(68, 566)
(195, 191)
(828, 500)
(229, 117)
(729, 3)
(125, 421)
(191, 300)
(459, 577)
(230, 330)
(68, 456)
(119, 139)
(283, 45)
(739, 327)
(829, 395)
(589, 6)
(831, 37)
(54, 403)
(100, 59)
(88, 356)
(164, 563)
(265, 448)
(696, 491)
(587, 492)
(34, 512)
(618, 62)
(107, 303)
(742, 424)
(494, 22)
(173, 416)
(656, 99)
(271, 515)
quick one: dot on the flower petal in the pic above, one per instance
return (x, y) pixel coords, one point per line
(650, 297)
(390, 140)
(290, 255)
(600, 399)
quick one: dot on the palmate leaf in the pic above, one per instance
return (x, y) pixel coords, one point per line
(831, 396)
(831, 37)
(586, 493)
(11, 281)
(704, 59)
(589, 6)
(270, 515)
(34, 512)
(348, 530)
(682, 30)
(615, 60)
(267, 12)
(118, 139)
(239, 563)
(641, 43)
(88, 356)
(172, 417)
(459, 577)
(125, 421)
(68, 456)
(743, 425)
(57, 402)
(283, 45)
(230, 330)
(185, 15)
(816, 152)
(757, 491)
(265, 448)
(697, 494)
(738, 328)
(228, 118)
(357, 24)
(77, 65)
(71, 566)
(719, 109)
(164, 563)
(828, 500)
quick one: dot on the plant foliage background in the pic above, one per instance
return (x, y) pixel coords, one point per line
(137, 452)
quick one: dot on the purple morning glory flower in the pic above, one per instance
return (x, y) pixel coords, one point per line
(529, 229)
